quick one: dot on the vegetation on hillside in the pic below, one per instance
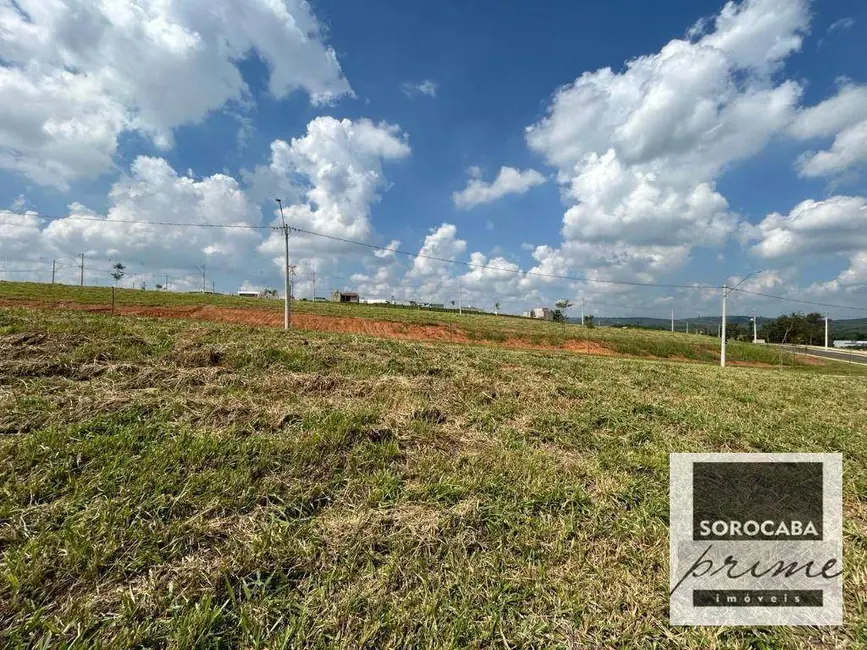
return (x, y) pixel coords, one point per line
(196, 485)
(482, 328)
(796, 328)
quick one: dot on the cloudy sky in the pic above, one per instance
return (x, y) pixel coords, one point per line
(682, 143)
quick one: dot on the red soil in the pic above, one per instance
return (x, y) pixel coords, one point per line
(272, 318)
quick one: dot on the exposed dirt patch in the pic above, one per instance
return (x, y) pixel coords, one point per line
(750, 364)
(268, 318)
(811, 361)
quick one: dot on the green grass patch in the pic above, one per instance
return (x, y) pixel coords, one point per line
(482, 328)
(179, 484)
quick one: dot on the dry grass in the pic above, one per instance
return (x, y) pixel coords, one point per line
(176, 484)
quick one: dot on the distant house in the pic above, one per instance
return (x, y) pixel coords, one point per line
(255, 293)
(344, 296)
(542, 313)
(376, 301)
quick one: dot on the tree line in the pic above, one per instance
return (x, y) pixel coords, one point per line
(796, 328)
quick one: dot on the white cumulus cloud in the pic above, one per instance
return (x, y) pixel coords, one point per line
(837, 225)
(508, 181)
(329, 179)
(75, 74)
(843, 116)
(638, 151)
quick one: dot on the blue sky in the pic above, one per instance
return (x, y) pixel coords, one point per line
(736, 140)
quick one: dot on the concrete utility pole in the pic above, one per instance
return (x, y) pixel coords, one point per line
(672, 319)
(53, 269)
(755, 329)
(687, 327)
(81, 274)
(313, 297)
(826, 331)
(286, 291)
(722, 354)
(725, 292)
(582, 311)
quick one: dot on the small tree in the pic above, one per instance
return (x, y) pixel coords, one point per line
(117, 272)
(158, 287)
(562, 306)
(588, 321)
(497, 308)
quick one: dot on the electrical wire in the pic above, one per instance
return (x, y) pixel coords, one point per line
(803, 302)
(164, 223)
(496, 268)
(471, 265)
(387, 249)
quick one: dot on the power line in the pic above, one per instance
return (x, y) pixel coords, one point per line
(803, 302)
(496, 268)
(149, 223)
(137, 221)
(390, 250)
(471, 265)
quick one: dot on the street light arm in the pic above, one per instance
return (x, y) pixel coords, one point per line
(744, 279)
(282, 218)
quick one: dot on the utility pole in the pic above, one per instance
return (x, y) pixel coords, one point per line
(313, 297)
(755, 329)
(81, 274)
(826, 330)
(582, 311)
(460, 297)
(672, 319)
(286, 291)
(687, 327)
(203, 278)
(725, 292)
(722, 354)
(213, 286)
(167, 282)
(53, 269)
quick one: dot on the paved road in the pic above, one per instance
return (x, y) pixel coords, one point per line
(837, 355)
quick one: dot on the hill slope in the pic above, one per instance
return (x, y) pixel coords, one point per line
(513, 332)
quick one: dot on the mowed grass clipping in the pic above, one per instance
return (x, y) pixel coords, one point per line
(196, 485)
(506, 331)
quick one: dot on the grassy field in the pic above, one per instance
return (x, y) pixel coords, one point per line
(483, 328)
(168, 483)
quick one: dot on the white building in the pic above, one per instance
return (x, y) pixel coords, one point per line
(542, 313)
